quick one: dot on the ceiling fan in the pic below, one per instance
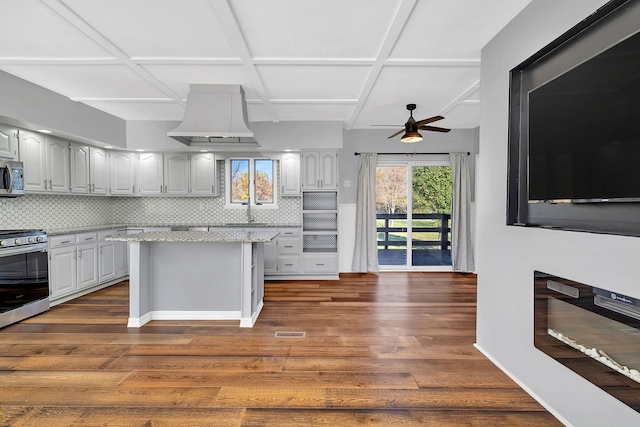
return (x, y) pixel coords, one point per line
(410, 130)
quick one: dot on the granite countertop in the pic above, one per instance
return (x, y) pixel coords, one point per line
(88, 228)
(199, 236)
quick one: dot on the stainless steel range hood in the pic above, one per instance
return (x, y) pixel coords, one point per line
(215, 115)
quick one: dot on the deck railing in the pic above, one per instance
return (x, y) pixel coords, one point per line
(443, 231)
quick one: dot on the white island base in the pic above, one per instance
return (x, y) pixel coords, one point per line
(195, 280)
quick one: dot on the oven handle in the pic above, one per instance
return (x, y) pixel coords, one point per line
(18, 250)
(10, 170)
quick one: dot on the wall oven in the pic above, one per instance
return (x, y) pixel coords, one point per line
(11, 178)
(24, 276)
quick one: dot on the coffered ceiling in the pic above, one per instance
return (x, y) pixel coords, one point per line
(355, 61)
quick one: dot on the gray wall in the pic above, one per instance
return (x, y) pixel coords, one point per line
(33, 107)
(507, 256)
(369, 141)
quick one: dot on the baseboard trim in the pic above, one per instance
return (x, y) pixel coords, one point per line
(530, 392)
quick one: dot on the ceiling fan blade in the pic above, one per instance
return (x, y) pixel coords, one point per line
(395, 134)
(434, 128)
(429, 120)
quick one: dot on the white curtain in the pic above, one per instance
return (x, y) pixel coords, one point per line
(461, 243)
(365, 254)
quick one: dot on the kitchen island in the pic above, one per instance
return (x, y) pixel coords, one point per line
(196, 275)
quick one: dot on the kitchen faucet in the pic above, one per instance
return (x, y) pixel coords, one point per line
(249, 218)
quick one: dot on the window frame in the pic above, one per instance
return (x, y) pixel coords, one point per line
(252, 190)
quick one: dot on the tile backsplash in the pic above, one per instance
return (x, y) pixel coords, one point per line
(57, 211)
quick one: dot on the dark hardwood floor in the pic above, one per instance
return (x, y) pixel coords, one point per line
(388, 349)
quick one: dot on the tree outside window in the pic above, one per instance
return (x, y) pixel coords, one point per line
(252, 178)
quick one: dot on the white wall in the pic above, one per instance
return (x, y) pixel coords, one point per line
(509, 255)
(33, 107)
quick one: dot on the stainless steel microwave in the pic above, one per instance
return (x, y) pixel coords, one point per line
(11, 178)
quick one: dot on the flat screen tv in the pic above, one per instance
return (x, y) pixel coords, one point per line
(574, 131)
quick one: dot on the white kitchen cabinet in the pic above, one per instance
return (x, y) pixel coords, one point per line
(204, 174)
(62, 271)
(290, 174)
(176, 173)
(8, 142)
(150, 173)
(79, 168)
(87, 265)
(106, 261)
(122, 166)
(57, 165)
(88, 169)
(320, 170)
(98, 170)
(46, 162)
(270, 266)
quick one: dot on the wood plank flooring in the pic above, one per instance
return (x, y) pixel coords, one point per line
(388, 349)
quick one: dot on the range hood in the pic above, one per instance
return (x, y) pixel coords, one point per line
(216, 115)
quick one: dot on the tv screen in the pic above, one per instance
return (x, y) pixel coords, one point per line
(584, 130)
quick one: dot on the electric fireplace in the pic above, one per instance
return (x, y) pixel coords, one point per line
(592, 331)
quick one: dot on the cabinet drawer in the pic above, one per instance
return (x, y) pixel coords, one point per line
(288, 246)
(320, 263)
(289, 232)
(61, 241)
(86, 238)
(289, 264)
(106, 233)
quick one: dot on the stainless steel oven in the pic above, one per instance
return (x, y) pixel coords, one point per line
(24, 275)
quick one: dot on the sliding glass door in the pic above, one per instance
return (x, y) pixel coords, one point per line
(414, 215)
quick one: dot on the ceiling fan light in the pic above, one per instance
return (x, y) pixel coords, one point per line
(411, 137)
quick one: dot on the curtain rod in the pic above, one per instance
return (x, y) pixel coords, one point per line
(409, 154)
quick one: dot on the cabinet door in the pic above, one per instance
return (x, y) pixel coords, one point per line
(58, 172)
(270, 257)
(106, 261)
(122, 178)
(176, 173)
(121, 256)
(8, 142)
(328, 168)
(98, 170)
(203, 174)
(62, 270)
(310, 171)
(33, 155)
(149, 173)
(290, 174)
(87, 265)
(79, 168)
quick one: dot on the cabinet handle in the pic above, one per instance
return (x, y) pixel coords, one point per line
(88, 238)
(288, 246)
(50, 185)
(288, 265)
(165, 188)
(319, 264)
(45, 184)
(65, 241)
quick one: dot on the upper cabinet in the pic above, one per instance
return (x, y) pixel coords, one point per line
(46, 162)
(320, 170)
(204, 174)
(290, 174)
(88, 169)
(149, 173)
(176, 173)
(122, 172)
(8, 142)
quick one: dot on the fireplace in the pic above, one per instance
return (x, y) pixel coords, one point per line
(592, 331)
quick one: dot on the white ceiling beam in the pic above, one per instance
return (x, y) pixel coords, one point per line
(461, 98)
(58, 61)
(397, 24)
(230, 26)
(83, 26)
(186, 61)
(472, 63)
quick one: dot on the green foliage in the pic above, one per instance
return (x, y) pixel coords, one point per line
(432, 189)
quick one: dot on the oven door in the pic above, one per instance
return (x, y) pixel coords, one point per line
(24, 276)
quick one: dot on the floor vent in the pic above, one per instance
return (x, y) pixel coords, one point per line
(282, 334)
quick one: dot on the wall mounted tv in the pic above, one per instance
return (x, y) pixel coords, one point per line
(574, 131)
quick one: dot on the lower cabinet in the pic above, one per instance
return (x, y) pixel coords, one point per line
(78, 262)
(284, 253)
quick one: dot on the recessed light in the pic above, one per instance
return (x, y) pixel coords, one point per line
(108, 146)
(288, 149)
(44, 131)
(204, 151)
(140, 149)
